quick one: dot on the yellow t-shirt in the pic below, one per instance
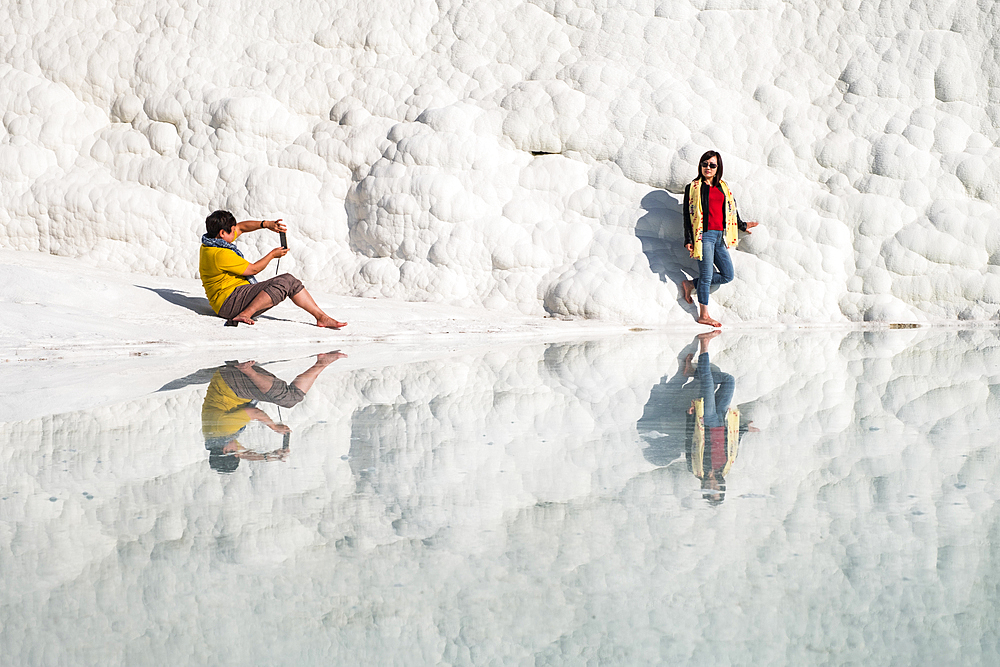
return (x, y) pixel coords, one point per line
(222, 412)
(221, 272)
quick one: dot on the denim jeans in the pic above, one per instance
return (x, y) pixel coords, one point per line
(716, 405)
(714, 255)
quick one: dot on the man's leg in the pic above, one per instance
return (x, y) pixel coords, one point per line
(304, 381)
(304, 300)
(260, 302)
(272, 292)
(260, 380)
(245, 303)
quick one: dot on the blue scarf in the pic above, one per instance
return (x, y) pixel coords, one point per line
(222, 243)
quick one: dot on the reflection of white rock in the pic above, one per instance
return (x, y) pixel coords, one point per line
(499, 502)
(407, 149)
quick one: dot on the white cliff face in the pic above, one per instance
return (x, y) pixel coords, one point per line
(500, 506)
(514, 154)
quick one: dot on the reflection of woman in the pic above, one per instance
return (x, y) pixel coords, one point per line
(714, 428)
(231, 403)
(694, 420)
(711, 222)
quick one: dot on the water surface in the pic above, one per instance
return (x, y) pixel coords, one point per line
(831, 499)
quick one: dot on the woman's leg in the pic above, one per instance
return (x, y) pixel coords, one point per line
(706, 274)
(723, 264)
(706, 266)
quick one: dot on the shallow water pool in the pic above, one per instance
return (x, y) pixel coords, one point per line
(821, 497)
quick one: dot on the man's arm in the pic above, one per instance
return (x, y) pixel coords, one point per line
(259, 415)
(254, 225)
(260, 264)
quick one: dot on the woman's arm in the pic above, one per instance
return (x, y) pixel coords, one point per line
(688, 232)
(741, 224)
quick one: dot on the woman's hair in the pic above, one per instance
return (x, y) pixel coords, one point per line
(217, 222)
(718, 172)
(714, 496)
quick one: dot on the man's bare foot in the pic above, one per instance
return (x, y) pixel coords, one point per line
(329, 323)
(330, 357)
(709, 321)
(245, 319)
(688, 288)
(708, 335)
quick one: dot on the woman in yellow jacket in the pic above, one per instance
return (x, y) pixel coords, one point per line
(711, 222)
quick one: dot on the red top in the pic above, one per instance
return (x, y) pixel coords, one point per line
(716, 204)
(718, 437)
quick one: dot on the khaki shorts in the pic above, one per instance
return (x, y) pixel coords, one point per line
(277, 288)
(281, 393)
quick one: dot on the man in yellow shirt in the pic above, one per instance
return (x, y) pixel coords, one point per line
(228, 278)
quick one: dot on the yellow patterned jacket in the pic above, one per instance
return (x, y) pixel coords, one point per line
(694, 216)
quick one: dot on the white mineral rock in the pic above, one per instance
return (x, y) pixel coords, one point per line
(498, 154)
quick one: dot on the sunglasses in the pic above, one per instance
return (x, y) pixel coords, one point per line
(709, 165)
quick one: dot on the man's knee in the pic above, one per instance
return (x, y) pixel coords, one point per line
(290, 284)
(281, 287)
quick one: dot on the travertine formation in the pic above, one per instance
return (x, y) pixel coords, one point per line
(522, 156)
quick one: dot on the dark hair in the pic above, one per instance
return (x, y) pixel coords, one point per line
(219, 221)
(223, 463)
(218, 459)
(718, 172)
(714, 496)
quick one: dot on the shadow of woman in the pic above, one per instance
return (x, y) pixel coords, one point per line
(661, 232)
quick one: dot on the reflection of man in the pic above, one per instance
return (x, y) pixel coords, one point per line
(690, 417)
(231, 403)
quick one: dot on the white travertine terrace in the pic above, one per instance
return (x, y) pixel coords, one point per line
(514, 155)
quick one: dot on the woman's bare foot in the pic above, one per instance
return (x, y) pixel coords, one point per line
(705, 318)
(328, 322)
(245, 319)
(688, 288)
(708, 335)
